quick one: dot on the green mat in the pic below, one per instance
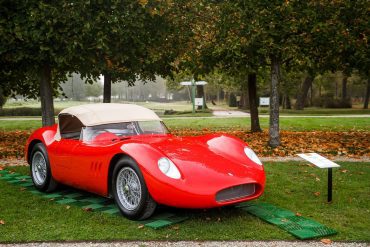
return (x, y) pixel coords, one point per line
(298, 226)
(87, 201)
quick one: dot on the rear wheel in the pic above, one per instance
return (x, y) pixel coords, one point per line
(40, 169)
(130, 192)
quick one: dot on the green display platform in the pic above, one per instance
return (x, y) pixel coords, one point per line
(298, 226)
(87, 201)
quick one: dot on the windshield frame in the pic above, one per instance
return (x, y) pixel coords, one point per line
(133, 128)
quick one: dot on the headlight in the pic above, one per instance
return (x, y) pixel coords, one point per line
(252, 156)
(168, 168)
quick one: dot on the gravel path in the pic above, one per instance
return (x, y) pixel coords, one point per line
(193, 243)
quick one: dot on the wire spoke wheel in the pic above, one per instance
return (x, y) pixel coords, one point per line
(39, 168)
(128, 188)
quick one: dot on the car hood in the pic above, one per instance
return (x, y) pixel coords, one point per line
(198, 156)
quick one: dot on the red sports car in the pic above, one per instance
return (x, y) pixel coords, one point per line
(125, 151)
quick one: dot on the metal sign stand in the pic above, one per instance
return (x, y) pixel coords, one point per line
(330, 183)
(322, 162)
(193, 85)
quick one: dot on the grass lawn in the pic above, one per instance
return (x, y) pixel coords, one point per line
(185, 106)
(156, 106)
(290, 185)
(320, 111)
(293, 124)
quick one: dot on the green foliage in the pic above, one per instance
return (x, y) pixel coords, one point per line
(126, 39)
(94, 90)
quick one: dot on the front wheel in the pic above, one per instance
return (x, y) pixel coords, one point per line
(130, 192)
(40, 169)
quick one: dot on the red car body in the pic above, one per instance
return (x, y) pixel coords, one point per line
(207, 164)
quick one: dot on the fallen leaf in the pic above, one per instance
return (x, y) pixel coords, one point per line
(140, 226)
(2, 222)
(176, 228)
(317, 179)
(22, 189)
(51, 199)
(327, 143)
(317, 193)
(298, 214)
(326, 241)
(87, 209)
(68, 207)
(343, 171)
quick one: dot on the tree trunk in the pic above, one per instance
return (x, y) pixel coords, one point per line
(107, 88)
(288, 105)
(2, 99)
(253, 105)
(200, 94)
(274, 135)
(46, 96)
(243, 99)
(366, 102)
(286, 102)
(302, 94)
(344, 87)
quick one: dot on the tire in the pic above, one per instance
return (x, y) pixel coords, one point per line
(40, 169)
(133, 199)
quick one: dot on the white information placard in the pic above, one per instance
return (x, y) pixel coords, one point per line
(265, 101)
(186, 83)
(198, 101)
(318, 160)
(200, 83)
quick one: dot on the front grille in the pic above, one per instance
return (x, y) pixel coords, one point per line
(235, 192)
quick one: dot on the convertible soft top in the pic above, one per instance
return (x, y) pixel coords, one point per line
(73, 118)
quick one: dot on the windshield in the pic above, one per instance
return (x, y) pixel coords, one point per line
(117, 131)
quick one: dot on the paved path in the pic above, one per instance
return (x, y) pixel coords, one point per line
(224, 114)
(191, 243)
(230, 113)
(365, 159)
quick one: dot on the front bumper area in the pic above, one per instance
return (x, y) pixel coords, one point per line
(203, 197)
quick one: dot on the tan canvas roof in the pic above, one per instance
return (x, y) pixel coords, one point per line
(105, 113)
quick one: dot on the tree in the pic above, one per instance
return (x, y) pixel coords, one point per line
(127, 40)
(302, 93)
(39, 48)
(337, 39)
(2, 99)
(367, 95)
(122, 40)
(94, 90)
(266, 38)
